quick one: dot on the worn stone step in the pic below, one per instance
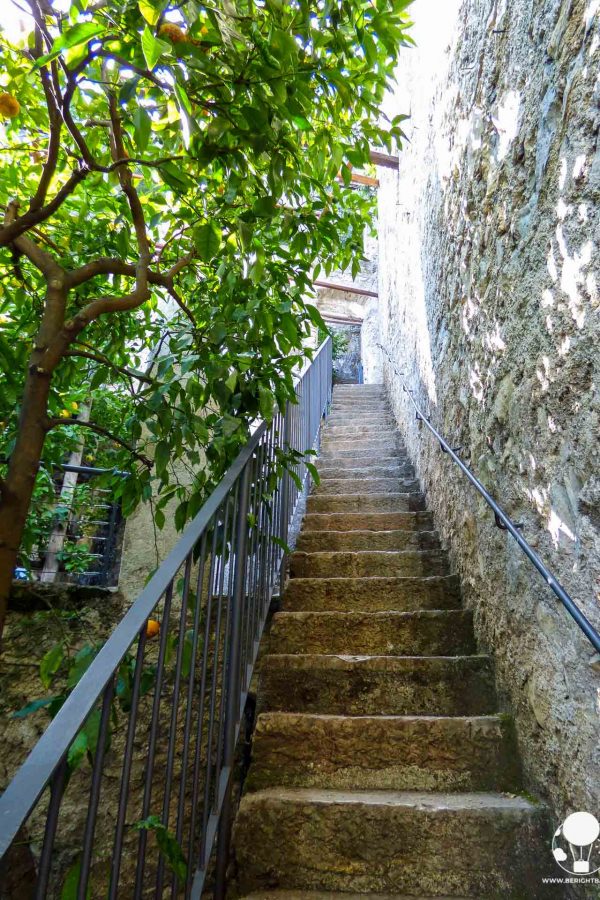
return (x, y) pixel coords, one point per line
(334, 456)
(361, 442)
(377, 685)
(374, 521)
(366, 453)
(359, 428)
(391, 842)
(327, 541)
(365, 503)
(359, 390)
(389, 485)
(381, 417)
(371, 594)
(428, 632)
(345, 413)
(329, 895)
(367, 563)
(392, 468)
(366, 387)
(405, 753)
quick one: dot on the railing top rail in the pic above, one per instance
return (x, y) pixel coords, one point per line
(505, 522)
(31, 778)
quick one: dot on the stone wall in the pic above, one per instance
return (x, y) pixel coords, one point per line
(489, 275)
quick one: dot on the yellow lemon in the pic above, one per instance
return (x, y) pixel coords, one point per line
(152, 628)
(9, 106)
(173, 32)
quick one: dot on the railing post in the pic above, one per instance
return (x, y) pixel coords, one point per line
(285, 496)
(232, 682)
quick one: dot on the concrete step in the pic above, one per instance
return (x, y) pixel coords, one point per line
(391, 842)
(372, 594)
(365, 503)
(326, 541)
(401, 753)
(368, 563)
(374, 521)
(430, 632)
(372, 485)
(377, 685)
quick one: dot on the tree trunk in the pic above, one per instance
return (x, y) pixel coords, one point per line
(17, 488)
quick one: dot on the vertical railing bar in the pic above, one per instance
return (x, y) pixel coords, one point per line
(211, 717)
(201, 702)
(126, 770)
(154, 723)
(189, 716)
(90, 824)
(226, 650)
(57, 786)
(285, 499)
(264, 545)
(277, 523)
(168, 778)
(252, 562)
(257, 548)
(233, 693)
(274, 549)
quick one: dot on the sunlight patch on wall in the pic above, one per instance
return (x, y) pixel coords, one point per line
(507, 122)
(556, 527)
(572, 275)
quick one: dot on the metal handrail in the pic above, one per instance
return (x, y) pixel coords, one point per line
(234, 553)
(504, 521)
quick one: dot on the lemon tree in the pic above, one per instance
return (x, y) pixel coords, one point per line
(172, 174)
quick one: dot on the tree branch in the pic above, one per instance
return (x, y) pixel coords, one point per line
(54, 117)
(105, 361)
(18, 226)
(40, 258)
(103, 432)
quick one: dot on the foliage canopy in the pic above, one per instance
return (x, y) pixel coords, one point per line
(172, 173)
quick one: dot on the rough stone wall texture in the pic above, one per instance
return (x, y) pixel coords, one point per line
(489, 295)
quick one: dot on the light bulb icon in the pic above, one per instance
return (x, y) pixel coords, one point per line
(580, 830)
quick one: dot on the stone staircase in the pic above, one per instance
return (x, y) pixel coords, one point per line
(380, 766)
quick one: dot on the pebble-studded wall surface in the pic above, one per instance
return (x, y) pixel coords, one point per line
(489, 279)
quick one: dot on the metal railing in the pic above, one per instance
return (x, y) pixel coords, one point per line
(159, 709)
(503, 521)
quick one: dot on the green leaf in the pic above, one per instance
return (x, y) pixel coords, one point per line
(32, 707)
(175, 177)
(142, 124)
(50, 663)
(150, 10)
(77, 751)
(153, 48)
(162, 454)
(72, 37)
(315, 316)
(264, 207)
(71, 883)
(81, 663)
(314, 473)
(207, 240)
(167, 844)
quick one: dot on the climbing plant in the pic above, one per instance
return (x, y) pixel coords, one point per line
(172, 173)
